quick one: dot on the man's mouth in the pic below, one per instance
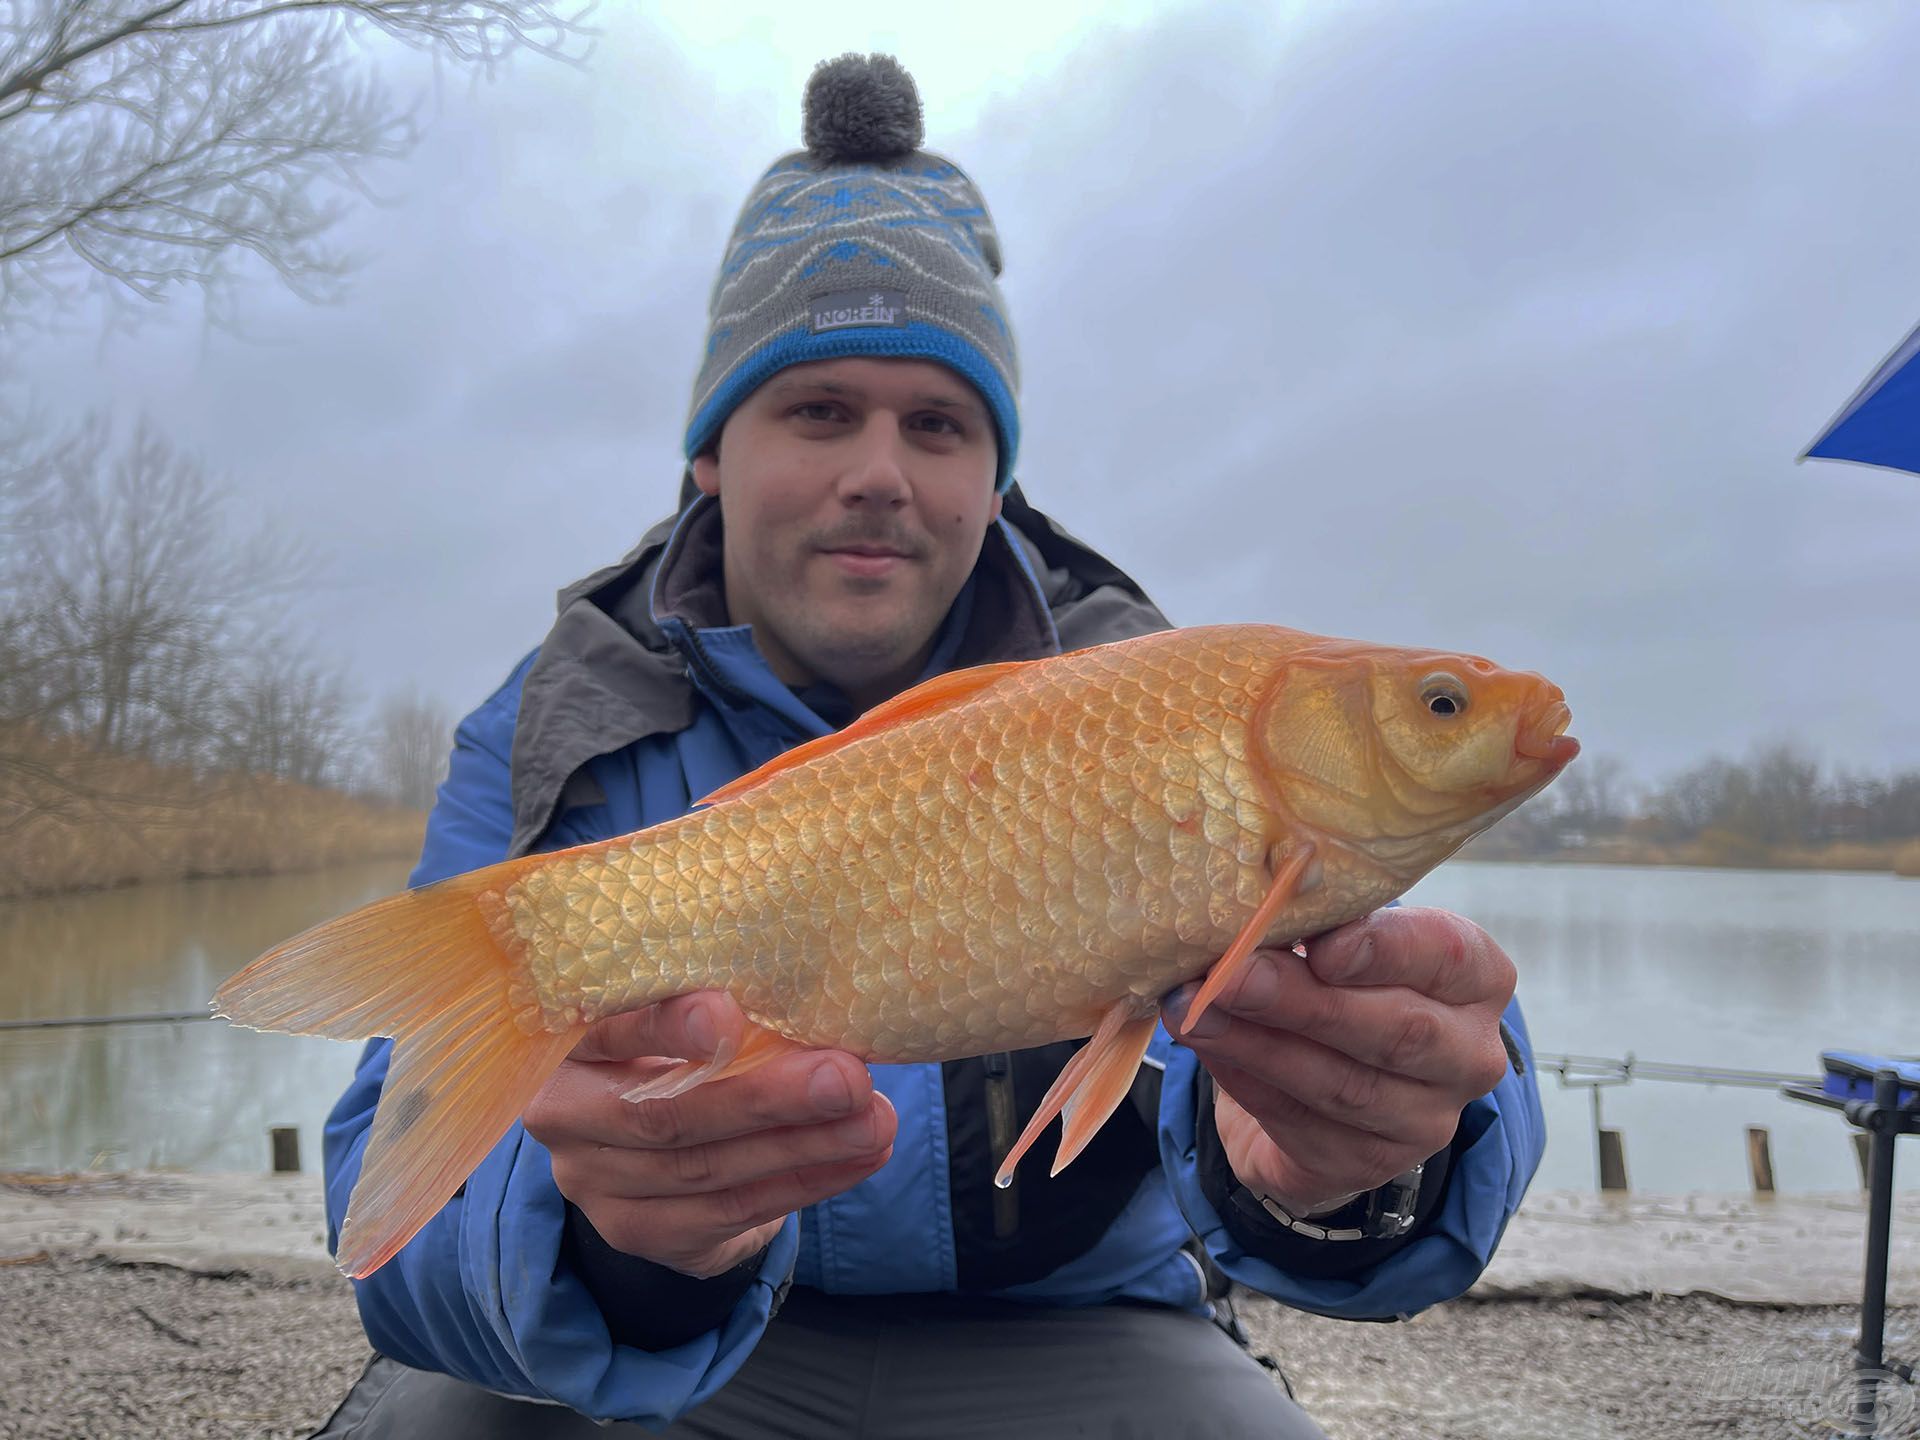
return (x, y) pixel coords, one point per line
(864, 560)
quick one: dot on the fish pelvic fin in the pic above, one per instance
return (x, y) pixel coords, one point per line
(1287, 883)
(757, 1047)
(929, 697)
(425, 968)
(1089, 1087)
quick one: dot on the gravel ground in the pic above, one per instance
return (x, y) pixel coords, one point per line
(99, 1348)
(1584, 1370)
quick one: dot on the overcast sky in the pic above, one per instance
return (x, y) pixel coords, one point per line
(1495, 326)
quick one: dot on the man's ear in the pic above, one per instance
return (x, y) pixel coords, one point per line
(706, 472)
(994, 513)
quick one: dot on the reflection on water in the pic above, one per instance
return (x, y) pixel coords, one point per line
(195, 1096)
(1739, 969)
(1730, 968)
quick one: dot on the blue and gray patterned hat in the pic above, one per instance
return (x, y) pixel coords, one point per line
(861, 244)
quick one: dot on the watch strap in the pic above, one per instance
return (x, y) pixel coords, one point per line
(1384, 1213)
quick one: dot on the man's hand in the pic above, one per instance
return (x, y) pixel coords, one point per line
(1336, 1072)
(703, 1181)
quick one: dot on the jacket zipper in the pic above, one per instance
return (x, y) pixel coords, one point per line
(726, 687)
(1000, 1136)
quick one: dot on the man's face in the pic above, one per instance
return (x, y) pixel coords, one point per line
(855, 495)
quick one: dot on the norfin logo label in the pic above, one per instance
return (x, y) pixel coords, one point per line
(853, 309)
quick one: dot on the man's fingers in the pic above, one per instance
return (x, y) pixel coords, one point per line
(746, 1159)
(1322, 1157)
(1327, 1083)
(1391, 1028)
(687, 1027)
(583, 1103)
(1434, 952)
(690, 1224)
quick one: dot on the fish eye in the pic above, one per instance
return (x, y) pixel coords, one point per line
(1443, 695)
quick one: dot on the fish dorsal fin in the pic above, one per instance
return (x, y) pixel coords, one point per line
(929, 697)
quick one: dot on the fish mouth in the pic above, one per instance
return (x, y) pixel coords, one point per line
(1543, 736)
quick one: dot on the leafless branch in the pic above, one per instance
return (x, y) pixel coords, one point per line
(152, 145)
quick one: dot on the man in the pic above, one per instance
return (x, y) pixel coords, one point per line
(816, 1248)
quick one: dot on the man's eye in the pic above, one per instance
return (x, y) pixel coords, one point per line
(817, 410)
(939, 424)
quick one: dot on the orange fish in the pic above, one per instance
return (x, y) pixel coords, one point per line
(999, 858)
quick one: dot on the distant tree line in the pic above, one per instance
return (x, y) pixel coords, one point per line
(1777, 797)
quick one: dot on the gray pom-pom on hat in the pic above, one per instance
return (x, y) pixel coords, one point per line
(861, 107)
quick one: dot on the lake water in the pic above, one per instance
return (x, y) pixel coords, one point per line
(1739, 969)
(198, 1096)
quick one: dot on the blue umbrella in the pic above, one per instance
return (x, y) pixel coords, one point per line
(1880, 425)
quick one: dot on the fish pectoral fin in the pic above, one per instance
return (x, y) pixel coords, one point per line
(929, 697)
(1286, 884)
(757, 1047)
(1089, 1087)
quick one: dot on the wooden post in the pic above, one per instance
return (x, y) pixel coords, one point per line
(1863, 1155)
(1760, 1159)
(1613, 1160)
(286, 1149)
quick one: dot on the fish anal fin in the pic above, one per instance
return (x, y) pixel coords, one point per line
(757, 1047)
(1286, 884)
(1089, 1087)
(927, 698)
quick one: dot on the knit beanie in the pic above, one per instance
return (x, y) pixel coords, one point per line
(860, 244)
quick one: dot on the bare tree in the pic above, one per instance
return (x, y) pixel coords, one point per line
(287, 717)
(1698, 797)
(39, 664)
(129, 586)
(413, 734)
(1592, 797)
(134, 621)
(150, 144)
(1784, 795)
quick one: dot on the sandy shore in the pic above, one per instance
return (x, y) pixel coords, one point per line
(176, 1305)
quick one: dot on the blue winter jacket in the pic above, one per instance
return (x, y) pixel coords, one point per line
(643, 699)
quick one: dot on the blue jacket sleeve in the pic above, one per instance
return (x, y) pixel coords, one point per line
(1495, 1154)
(484, 1292)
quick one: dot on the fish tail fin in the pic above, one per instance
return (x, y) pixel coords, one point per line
(427, 969)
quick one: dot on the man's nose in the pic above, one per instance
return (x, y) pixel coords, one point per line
(876, 469)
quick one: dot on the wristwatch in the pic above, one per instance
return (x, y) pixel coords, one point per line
(1378, 1214)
